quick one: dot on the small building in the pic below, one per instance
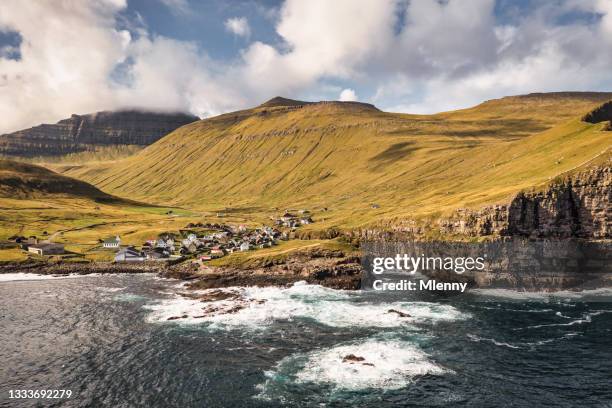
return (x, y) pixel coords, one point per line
(287, 217)
(245, 246)
(216, 253)
(305, 220)
(129, 254)
(157, 254)
(46, 249)
(112, 242)
(190, 247)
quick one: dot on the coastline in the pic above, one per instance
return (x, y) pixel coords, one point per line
(331, 269)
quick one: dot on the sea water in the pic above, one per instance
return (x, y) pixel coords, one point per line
(109, 340)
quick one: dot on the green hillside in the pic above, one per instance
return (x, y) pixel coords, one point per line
(347, 156)
(23, 180)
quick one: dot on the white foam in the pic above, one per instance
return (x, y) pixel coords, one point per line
(493, 341)
(263, 306)
(112, 290)
(387, 364)
(20, 276)
(585, 319)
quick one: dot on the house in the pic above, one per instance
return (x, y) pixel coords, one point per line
(112, 242)
(165, 243)
(189, 247)
(305, 220)
(287, 217)
(245, 246)
(129, 254)
(157, 254)
(216, 253)
(46, 249)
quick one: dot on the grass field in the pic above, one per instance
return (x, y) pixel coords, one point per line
(279, 252)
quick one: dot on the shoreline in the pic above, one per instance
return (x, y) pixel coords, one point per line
(331, 269)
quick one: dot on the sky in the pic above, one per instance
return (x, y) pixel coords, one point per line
(209, 57)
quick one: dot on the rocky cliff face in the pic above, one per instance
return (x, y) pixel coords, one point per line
(602, 113)
(80, 132)
(575, 207)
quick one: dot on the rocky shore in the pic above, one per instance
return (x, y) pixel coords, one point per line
(332, 269)
(45, 268)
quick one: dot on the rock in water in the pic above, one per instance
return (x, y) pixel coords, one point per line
(351, 358)
(399, 313)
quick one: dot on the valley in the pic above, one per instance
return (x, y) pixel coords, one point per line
(360, 171)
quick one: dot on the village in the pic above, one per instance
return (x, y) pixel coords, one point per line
(199, 242)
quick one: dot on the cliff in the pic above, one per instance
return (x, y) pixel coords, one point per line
(79, 132)
(600, 114)
(573, 207)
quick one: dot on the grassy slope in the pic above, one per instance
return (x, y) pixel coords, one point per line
(34, 200)
(347, 156)
(22, 180)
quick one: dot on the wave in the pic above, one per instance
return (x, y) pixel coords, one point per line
(585, 319)
(493, 341)
(21, 276)
(256, 308)
(369, 363)
(520, 345)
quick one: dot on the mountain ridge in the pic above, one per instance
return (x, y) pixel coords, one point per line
(83, 132)
(362, 164)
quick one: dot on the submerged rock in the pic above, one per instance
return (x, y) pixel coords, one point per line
(177, 317)
(399, 313)
(353, 359)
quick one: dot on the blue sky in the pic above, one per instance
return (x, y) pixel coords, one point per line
(210, 57)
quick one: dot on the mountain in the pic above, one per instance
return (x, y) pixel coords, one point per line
(84, 132)
(24, 181)
(361, 164)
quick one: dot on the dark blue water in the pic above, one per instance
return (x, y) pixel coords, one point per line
(107, 339)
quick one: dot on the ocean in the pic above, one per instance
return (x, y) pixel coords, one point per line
(108, 340)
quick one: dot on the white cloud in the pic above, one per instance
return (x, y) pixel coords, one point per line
(178, 7)
(238, 26)
(348, 95)
(421, 56)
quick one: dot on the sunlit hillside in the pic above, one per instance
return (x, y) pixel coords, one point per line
(362, 164)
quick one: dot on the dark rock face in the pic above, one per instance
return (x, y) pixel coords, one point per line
(81, 132)
(600, 114)
(511, 263)
(577, 207)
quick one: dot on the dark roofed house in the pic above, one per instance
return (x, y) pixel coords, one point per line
(129, 254)
(46, 249)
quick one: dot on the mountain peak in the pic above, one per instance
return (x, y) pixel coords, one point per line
(280, 101)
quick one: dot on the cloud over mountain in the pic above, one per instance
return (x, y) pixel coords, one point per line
(420, 55)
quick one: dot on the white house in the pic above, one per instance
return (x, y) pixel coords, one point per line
(245, 246)
(112, 242)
